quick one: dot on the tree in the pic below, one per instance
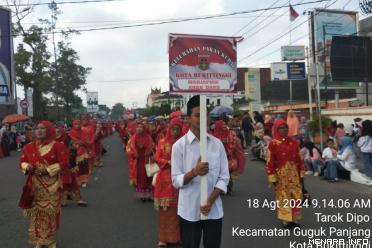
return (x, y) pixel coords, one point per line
(117, 111)
(34, 69)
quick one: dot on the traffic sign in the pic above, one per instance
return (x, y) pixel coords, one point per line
(23, 104)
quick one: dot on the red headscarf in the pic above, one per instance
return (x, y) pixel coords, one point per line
(62, 138)
(50, 131)
(276, 126)
(75, 133)
(142, 140)
(219, 132)
(169, 137)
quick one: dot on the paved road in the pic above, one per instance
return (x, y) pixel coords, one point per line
(115, 219)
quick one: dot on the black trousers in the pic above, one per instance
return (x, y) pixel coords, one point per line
(191, 233)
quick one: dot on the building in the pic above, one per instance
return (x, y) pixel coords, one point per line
(155, 93)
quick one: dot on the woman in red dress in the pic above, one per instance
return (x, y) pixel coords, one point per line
(71, 189)
(285, 170)
(165, 195)
(139, 150)
(81, 159)
(234, 151)
(42, 161)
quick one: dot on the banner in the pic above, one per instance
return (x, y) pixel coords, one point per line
(6, 57)
(92, 102)
(279, 71)
(325, 24)
(254, 88)
(296, 71)
(292, 53)
(200, 63)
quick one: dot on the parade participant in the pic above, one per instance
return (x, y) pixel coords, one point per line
(70, 185)
(123, 132)
(139, 149)
(285, 170)
(160, 129)
(87, 136)
(293, 124)
(98, 138)
(234, 151)
(42, 161)
(81, 153)
(186, 171)
(268, 125)
(165, 195)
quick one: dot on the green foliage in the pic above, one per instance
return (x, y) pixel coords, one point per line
(58, 76)
(117, 111)
(164, 109)
(314, 127)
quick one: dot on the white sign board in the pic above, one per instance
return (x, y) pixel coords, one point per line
(92, 102)
(292, 53)
(254, 88)
(30, 109)
(279, 71)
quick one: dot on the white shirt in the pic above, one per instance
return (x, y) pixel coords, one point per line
(365, 144)
(185, 155)
(328, 154)
(347, 159)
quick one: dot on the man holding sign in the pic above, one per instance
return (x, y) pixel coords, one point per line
(187, 172)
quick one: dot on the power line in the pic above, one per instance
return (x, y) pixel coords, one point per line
(128, 80)
(300, 38)
(59, 3)
(277, 38)
(189, 19)
(241, 29)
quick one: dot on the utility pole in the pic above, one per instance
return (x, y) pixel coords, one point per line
(54, 6)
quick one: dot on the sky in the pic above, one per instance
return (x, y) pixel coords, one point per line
(127, 62)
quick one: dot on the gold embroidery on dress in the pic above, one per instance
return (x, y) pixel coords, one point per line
(45, 149)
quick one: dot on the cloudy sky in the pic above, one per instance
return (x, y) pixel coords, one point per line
(127, 62)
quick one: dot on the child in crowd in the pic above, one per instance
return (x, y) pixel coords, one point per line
(331, 161)
(313, 159)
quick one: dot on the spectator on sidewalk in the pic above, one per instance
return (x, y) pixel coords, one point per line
(314, 161)
(247, 126)
(330, 158)
(365, 145)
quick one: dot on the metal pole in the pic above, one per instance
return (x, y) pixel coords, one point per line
(309, 86)
(319, 106)
(290, 93)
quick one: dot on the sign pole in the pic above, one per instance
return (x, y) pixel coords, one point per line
(203, 152)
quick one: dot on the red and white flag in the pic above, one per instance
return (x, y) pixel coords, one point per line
(292, 13)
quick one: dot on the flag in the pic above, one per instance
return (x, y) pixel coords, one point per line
(292, 13)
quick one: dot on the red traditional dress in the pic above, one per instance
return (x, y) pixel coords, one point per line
(44, 214)
(69, 176)
(233, 148)
(165, 195)
(98, 139)
(234, 151)
(87, 136)
(81, 159)
(285, 168)
(139, 150)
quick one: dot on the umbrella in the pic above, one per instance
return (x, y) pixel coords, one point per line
(220, 111)
(15, 118)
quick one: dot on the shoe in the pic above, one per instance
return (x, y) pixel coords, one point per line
(162, 244)
(308, 173)
(333, 180)
(82, 203)
(83, 185)
(316, 174)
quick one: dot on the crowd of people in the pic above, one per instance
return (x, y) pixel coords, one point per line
(164, 166)
(173, 146)
(56, 163)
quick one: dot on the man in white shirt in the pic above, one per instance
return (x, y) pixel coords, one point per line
(186, 171)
